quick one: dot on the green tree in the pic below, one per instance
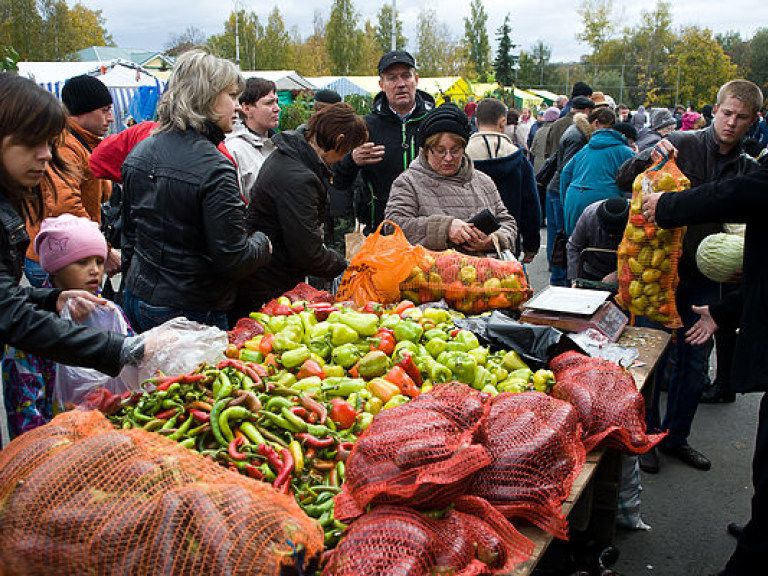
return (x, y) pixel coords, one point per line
(504, 64)
(275, 51)
(597, 17)
(383, 31)
(9, 59)
(342, 39)
(22, 27)
(310, 57)
(476, 40)
(87, 28)
(250, 33)
(370, 51)
(736, 49)
(758, 59)
(433, 43)
(703, 67)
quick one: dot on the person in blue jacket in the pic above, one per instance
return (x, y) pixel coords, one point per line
(493, 153)
(590, 176)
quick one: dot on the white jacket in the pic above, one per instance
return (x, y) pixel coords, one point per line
(249, 151)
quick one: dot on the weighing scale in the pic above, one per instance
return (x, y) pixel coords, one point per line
(576, 310)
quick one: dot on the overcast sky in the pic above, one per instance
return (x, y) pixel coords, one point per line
(150, 23)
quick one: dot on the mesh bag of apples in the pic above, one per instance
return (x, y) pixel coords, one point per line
(648, 255)
(467, 283)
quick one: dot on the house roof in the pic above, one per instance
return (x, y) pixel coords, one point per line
(106, 53)
(283, 79)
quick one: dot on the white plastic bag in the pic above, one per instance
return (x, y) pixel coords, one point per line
(72, 383)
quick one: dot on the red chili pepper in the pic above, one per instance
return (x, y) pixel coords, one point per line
(454, 332)
(402, 306)
(189, 378)
(398, 376)
(272, 458)
(265, 344)
(323, 464)
(313, 442)
(165, 414)
(166, 382)
(300, 411)
(342, 413)
(201, 416)
(282, 310)
(261, 372)
(386, 341)
(284, 476)
(285, 488)
(298, 307)
(343, 450)
(234, 453)
(254, 472)
(315, 406)
(309, 368)
(320, 305)
(407, 364)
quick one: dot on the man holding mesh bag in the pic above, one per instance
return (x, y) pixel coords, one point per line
(713, 154)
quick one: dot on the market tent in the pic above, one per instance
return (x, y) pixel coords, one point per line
(549, 97)
(368, 83)
(456, 87)
(121, 77)
(523, 98)
(344, 86)
(288, 83)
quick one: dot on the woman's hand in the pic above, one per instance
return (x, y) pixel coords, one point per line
(81, 303)
(480, 241)
(704, 327)
(461, 232)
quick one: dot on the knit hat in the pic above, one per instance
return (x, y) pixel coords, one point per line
(625, 128)
(706, 111)
(582, 103)
(83, 94)
(395, 57)
(552, 114)
(445, 118)
(661, 118)
(327, 96)
(688, 120)
(581, 89)
(66, 239)
(612, 215)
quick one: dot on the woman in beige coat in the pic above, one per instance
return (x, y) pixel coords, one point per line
(440, 191)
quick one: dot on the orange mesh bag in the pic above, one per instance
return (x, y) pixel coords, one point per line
(418, 454)
(469, 284)
(375, 273)
(471, 538)
(648, 255)
(536, 453)
(610, 408)
(79, 497)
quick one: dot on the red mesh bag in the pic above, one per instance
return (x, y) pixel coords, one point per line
(648, 255)
(468, 283)
(610, 408)
(472, 538)
(301, 292)
(536, 453)
(79, 497)
(418, 454)
(244, 330)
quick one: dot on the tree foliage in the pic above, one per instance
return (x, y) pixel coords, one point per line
(434, 45)
(703, 67)
(758, 59)
(476, 40)
(343, 40)
(310, 55)
(275, 49)
(192, 37)
(504, 64)
(597, 16)
(249, 32)
(736, 49)
(383, 33)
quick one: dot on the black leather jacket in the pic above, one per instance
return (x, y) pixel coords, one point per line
(27, 321)
(184, 239)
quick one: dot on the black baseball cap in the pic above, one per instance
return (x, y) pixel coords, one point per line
(395, 57)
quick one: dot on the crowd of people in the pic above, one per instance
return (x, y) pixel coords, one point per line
(219, 214)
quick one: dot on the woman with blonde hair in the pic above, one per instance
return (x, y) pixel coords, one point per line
(185, 246)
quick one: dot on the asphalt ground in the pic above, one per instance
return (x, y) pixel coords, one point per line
(687, 509)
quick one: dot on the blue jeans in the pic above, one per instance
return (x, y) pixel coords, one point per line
(144, 315)
(555, 223)
(34, 273)
(690, 375)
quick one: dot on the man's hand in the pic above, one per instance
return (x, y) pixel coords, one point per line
(113, 263)
(612, 277)
(368, 153)
(704, 328)
(663, 147)
(81, 303)
(649, 205)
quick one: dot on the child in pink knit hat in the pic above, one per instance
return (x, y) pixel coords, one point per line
(72, 251)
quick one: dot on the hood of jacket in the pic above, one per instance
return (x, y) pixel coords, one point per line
(241, 131)
(293, 143)
(582, 123)
(606, 138)
(488, 145)
(424, 103)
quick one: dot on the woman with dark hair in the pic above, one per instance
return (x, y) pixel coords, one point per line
(289, 204)
(31, 124)
(185, 245)
(249, 142)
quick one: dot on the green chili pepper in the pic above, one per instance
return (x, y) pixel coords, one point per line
(296, 421)
(188, 443)
(233, 413)
(183, 429)
(279, 421)
(275, 403)
(216, 411)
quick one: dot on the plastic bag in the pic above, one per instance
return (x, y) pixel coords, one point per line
(73, 384)
(468, 283)
(648, 255)
(381, 264)
(628, 512)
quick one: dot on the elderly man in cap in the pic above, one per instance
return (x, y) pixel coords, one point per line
(89, 104)
(662, 123)
(392, 125)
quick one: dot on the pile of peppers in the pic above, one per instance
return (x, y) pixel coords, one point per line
(287, 406)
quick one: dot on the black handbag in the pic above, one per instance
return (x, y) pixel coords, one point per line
(559, 258)
(547, 171)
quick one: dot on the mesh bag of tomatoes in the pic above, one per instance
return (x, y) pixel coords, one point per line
(536, 452)
(469, 538)
(80, 497)
(648, 255)
(468, 284)
(606, 399)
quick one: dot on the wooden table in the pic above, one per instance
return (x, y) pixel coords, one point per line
(650, 344)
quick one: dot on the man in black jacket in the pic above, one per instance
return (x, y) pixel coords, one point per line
(742, 199)
(713, 154)
(392, 126)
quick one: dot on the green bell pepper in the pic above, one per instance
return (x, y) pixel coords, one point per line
(436, 346)
(375, 363)
(462, 365)
(345, 355)
(363, 324)
(437, 315)
(512, 361)
(320, 329)
(408, 330)
(286, 339)
(343, 334)
(514, 385)
(396, 400)
(247, 355)
(483, 378)
(389, 321)
(468, 339)
(321, 346)
(435, 333)
(523, 373)
(405, 346)
(295, 357)
(277, 323)
(543, 380)
(480, 354)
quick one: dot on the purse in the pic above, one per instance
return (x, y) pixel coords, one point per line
(559, 258)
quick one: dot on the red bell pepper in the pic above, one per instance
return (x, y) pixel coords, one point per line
(399, 377)
(410, 368)
(265, 345)
(282, 310)
(386, 341)
(372, 307)
(402, 306)
(309, 368)
(342, 413)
